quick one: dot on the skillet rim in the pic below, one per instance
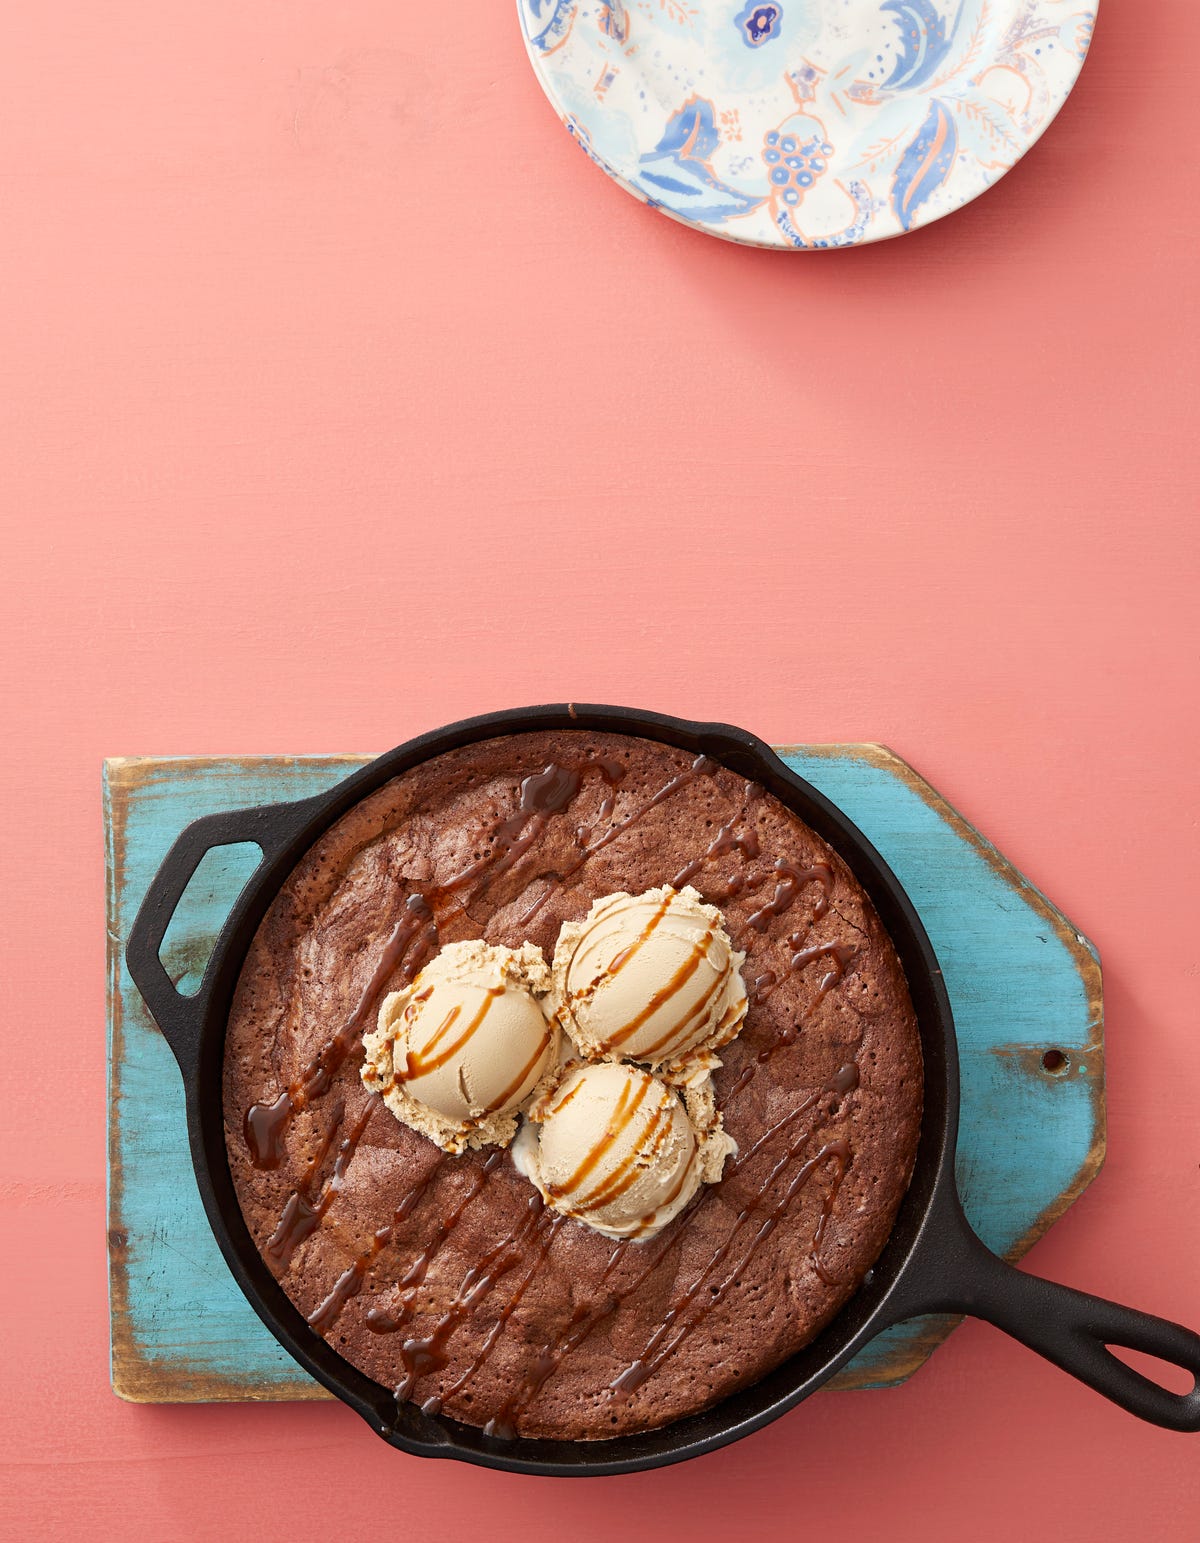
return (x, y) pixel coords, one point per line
(197, 1035)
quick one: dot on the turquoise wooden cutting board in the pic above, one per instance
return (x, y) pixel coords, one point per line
(1024, 984)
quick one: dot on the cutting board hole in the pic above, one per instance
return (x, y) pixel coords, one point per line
(1056, 1062)
(219, 879)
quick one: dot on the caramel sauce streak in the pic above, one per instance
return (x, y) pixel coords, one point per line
(562, 1103)
(541, 795)
(661, 997)
(442, 1029)
(727, 839)
(347, 1285)
(317, 1161)
(378, 1319)
(660, 1348)
(426, 1354)
(303, 1216)
(434, 1405)
(350, 1282)
(511, 1090)
(826, 1213)
(792, 881)
(700, 767)
(266, 1125)
(679, 1033)
(630, 1168)
(669, 1199)
(618, 964)
(839, 955)
(421, 1065)
(623, 1113)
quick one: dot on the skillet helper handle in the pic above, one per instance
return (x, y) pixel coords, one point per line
(1070, 1328)
(179, 1017)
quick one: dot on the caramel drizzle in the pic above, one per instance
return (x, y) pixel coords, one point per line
(588, 1315)
(350, 1282)
(434, 1405)
(378, 1319)
(302, 1215)
(542, 795)
(839, 954)
(431, 1059)
(789, 885)
(266, 1125)
(678, 1035)
(616, 965)
(626, 1108)
(627, 1171)
(421, 1356)
(514, 1086)
(736, 836)
(622, 959)
(612, 772)
(661, 997)
(668, 1200)
(317, 1161)
(661, 1347)
(425, 1354)
(842, 1158)
(700, 767)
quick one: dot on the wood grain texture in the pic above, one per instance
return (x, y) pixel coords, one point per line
(1031, 1141)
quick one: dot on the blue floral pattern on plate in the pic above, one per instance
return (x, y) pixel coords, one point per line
(807, 123)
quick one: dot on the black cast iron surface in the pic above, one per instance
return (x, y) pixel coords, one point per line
(933, 1262)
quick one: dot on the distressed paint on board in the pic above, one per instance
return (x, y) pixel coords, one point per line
(1021, 979)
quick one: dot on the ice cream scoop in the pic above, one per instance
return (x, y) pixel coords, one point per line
(457, 1052)
(651, 977)
(617, 1149)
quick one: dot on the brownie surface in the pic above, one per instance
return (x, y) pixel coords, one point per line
(444, 1277)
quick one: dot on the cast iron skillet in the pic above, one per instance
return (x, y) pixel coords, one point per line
(933, 1262)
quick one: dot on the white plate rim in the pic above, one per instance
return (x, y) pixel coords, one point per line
(871, 237)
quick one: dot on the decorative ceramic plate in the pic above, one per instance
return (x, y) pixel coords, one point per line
(807, 123)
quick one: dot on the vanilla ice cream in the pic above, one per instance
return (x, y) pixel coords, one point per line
(456, 1053)
(650, 978)
(618, 1149)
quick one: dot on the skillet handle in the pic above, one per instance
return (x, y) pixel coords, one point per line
(1070, 1328)
(270, 828)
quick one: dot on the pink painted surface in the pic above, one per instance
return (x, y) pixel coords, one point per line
(340, 396)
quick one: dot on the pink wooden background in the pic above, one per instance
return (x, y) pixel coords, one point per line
(340, 396)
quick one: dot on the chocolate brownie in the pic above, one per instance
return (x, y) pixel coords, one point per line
(445, 1278)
